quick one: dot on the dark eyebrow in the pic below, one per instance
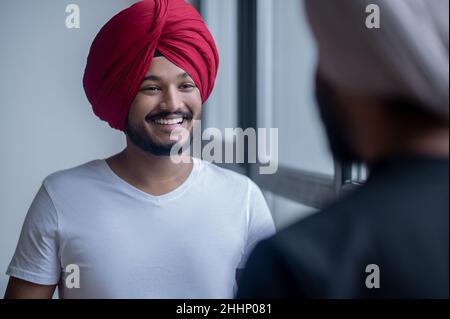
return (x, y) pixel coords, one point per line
(157, 78)
(152, 78)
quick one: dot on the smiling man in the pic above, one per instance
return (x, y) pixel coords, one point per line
(139, 225)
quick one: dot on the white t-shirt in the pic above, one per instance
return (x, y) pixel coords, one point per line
(129, 244)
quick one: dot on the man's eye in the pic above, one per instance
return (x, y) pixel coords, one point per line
(187, 86)
(152, 89)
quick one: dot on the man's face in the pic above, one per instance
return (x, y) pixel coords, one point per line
(168, 101)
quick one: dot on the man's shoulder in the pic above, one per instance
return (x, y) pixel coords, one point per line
(224, 175)
(327, 236)
(339, 221)
(311, 251)
(77, 174)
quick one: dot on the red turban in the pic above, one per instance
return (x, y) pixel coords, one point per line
(123, 50)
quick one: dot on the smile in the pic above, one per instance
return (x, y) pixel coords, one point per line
(174, 121)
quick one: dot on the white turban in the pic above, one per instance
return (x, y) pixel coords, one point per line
(406, 57)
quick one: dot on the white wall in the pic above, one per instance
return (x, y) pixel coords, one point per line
(46, 123)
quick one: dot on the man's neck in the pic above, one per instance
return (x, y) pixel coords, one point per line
(155, 175)
(432, 143)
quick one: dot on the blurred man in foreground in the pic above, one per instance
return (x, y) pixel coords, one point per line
(383, 96)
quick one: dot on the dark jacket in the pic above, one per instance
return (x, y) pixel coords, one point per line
(397, 221)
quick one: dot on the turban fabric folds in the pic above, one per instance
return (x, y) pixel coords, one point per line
(406, 57)
(122, 52)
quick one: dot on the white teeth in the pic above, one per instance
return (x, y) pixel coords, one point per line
(169, 122)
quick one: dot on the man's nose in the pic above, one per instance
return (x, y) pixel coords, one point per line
(172, 101)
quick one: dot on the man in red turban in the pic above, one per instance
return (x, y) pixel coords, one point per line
(138, 224)
(124, 49)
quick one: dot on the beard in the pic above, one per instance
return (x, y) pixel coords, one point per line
(149, 145)
(329, 109)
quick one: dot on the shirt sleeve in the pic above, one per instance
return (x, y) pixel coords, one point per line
(36, 257)
(260, 221)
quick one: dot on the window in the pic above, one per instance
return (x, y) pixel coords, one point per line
(266, 79)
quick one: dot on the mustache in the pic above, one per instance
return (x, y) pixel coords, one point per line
(185, 114)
